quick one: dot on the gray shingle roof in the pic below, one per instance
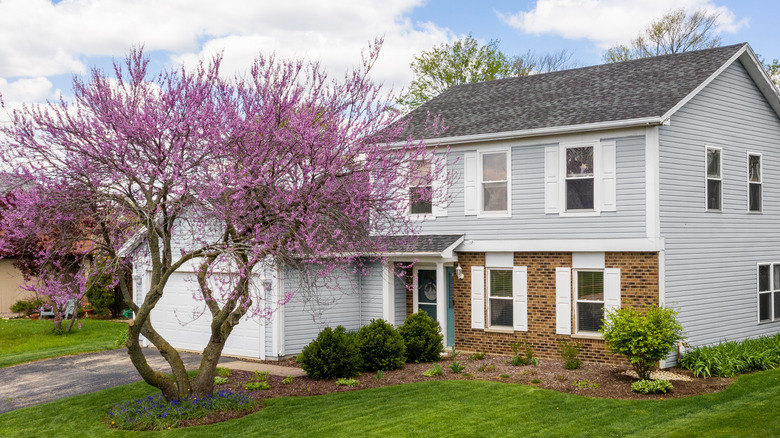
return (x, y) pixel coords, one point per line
(611, 92)
(430, 243)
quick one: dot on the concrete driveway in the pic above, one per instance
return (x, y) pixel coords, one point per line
(52, 379)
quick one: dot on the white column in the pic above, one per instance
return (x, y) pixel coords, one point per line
(441, 301)
(388, 293)
(277, 292)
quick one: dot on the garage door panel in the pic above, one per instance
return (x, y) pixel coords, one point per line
(186, 323)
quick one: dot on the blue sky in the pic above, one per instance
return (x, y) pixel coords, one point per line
(43, 43)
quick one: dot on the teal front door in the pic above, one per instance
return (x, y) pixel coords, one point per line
(449, 275)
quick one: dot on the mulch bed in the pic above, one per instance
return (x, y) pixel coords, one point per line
(549, 374)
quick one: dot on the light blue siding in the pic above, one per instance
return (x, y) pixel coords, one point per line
(529, 220)
(711, 257)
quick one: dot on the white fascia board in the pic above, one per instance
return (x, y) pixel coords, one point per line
(761, 78)
(706, 82)
(132, 243)
(449, 252)
(507, 135)
(563, 245)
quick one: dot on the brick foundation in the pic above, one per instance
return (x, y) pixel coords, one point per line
(638, 287)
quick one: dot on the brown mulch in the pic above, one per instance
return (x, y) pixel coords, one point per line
(604, 381)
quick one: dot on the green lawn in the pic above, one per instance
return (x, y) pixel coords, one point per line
(23, 340)
(750, 407)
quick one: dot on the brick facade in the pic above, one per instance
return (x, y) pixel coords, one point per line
(638, 287)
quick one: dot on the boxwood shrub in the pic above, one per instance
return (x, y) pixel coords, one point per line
(381, 346)
(422, 337)
(332, 354)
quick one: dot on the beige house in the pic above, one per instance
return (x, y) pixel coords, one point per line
(11, 282)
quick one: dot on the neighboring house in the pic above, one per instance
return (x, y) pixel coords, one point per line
(11, 285)
(649, 181)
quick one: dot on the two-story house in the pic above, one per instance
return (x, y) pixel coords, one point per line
(648, 181)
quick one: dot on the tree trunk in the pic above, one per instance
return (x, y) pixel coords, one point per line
(203, 385)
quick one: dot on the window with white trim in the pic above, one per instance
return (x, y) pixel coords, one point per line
(580, 178)
(589, 300)
(755, 202)
(500, 304)
(769, 292)
(494, 183)
(420, 189)
(714, 179)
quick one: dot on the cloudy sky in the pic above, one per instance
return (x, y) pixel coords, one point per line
(43, 43)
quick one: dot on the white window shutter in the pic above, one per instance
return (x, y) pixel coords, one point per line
(563, 301)
(439, 167)
(608, 176)
(520, 297)
(477, 297)
(551, 184)
(470, 183)
(611, 289)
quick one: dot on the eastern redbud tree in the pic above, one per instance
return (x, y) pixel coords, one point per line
(283, 166)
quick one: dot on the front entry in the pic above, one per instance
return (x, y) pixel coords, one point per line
(426, 291)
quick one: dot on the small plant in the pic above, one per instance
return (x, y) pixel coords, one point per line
(27, 307)
(536, 381)
(584, 384)
(644, 338)
(651, 386)
(456, 367)
(467, 375)
(435, 370)
(379, 375)
(224, 371)
(479, 355)
(560, 377)
(523, 354)
(260, 376)
(347, 382)
(570, 352)
(519, 361)
(422, 337)
(332, 354)
(220, 380)
(381, 346)
(486, 368)
(534, 362)
(254, 386)
(287, 380)
(121, 338)
(504, 376)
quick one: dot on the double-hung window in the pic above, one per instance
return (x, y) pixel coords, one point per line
(500, 309)
(714, 179)
(494, 183)
(755, 203)
(769, 292)
(580, 178)
(589, 308)
(420, 189)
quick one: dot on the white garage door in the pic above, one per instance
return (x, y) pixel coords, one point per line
(186, 323)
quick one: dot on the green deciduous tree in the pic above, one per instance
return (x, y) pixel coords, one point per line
(675, 32)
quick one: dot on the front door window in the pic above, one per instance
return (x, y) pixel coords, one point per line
(426, 291)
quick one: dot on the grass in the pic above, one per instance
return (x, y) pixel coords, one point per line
(24, 340)
(447, 408)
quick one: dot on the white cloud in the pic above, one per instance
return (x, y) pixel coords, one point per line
(606, 22)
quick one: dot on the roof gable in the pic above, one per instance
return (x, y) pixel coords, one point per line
(641, 91)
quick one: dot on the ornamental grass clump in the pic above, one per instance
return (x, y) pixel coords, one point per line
(422, 337)
(155, 413)
(381, 346)
(644, 338)
(731, 358)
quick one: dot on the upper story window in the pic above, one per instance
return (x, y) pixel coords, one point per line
(494, 182)
(755, 203)
(769, 292)
(580, 178)
(420, 189)
(714, 179)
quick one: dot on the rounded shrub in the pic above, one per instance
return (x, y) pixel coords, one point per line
(332, 354)
(381, 346)
(422, 337)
